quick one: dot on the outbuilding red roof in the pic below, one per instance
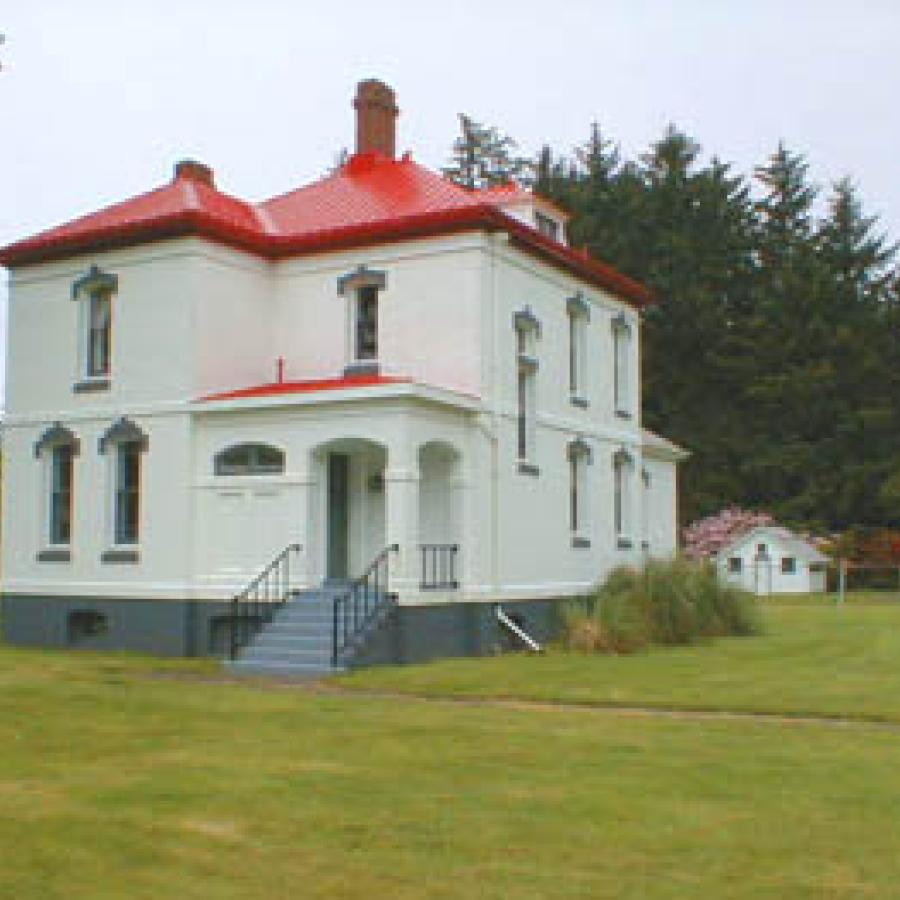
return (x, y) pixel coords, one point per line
(372, 199)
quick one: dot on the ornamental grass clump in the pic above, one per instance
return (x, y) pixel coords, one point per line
(667, 602)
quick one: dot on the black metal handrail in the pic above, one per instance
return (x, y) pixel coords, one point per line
(257, 603)
(439, 567)
(361, 605)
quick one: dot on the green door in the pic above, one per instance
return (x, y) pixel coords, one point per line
(338, 515)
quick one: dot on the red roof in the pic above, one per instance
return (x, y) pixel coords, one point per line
(370, 200)
(307, 387)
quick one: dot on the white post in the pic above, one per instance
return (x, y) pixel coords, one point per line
(842, 580)
(401, 483)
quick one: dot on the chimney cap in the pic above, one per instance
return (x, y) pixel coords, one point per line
(196, 171)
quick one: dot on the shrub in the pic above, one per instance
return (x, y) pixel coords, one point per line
(667, 602)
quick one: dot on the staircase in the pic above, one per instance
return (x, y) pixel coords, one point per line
(297, 642)
(311, 633)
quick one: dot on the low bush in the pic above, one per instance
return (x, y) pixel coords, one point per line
(667, 602)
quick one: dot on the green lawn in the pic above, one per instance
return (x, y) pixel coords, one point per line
(126, 777)
(819, 659)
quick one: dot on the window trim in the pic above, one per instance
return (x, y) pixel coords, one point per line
(623, 500)
(579, 456)
(88, 290)
(53, 439)
(622, 388)
(527, 329)
(579, 313)
(124, 432)
(351, 285)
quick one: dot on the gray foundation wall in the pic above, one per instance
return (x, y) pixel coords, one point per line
(409, 634)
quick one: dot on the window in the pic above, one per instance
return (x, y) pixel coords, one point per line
(94, 291)
(788, 565)
(58, 447)
(623, 464)
(621, 366)
(579, 456)
(61, 494)
(249, 459)
(98, 334)
(367, 323)
(527, 330)
(547, 226)
(127, 442)
(128, 492)
(362, 287)
(579, 315)
(762, 551)
(86, 623)
(735, 564)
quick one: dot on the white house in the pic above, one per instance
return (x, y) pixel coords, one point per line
(770, 559)
(380, 365)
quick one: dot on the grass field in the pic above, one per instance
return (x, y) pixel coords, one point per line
(814, 658)
(126, 777)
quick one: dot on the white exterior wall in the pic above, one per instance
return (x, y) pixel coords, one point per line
(191, 318)
(660, 499)
(536, 555)
(428, 312)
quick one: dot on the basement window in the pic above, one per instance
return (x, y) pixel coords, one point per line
(86, 623)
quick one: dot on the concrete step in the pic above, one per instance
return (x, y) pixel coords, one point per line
(284, 670)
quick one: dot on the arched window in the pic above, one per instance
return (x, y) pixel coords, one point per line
(249, 459)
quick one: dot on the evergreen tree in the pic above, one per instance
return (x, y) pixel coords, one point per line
(483, 157)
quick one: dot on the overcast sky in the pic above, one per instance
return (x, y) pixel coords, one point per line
(98, 98)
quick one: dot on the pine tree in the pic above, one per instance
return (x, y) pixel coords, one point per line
(483, 157)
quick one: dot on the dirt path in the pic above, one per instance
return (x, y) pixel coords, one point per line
(333, 689)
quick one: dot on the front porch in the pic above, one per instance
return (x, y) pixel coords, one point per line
(345, 480)
(364, 496)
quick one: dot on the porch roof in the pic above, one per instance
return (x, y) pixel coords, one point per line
(331, 390)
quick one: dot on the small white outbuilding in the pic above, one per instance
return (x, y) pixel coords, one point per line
(770, 559)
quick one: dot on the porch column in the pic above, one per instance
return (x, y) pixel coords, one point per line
(306, 574)
(401, 484)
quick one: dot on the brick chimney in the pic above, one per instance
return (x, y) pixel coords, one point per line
(376, 118)
(197, 171)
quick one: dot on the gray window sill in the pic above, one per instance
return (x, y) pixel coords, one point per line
(580, 402)
(581, 543)
(55, 556)
(526, 468)
(120, 556)
(623, 543)
(90, 385)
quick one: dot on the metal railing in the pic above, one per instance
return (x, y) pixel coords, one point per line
(439, 567)
(256, 604)
(361, 606)
(517, 631)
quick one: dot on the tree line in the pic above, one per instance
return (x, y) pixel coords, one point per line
(773, 354)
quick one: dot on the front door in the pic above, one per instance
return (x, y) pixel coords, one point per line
(338, 515)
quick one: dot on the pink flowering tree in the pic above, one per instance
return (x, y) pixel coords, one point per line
(706, 537)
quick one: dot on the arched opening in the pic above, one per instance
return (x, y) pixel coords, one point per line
(439, 515)
(249, 459)
(349, 515)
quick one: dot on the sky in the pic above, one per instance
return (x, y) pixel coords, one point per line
(99, 99)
